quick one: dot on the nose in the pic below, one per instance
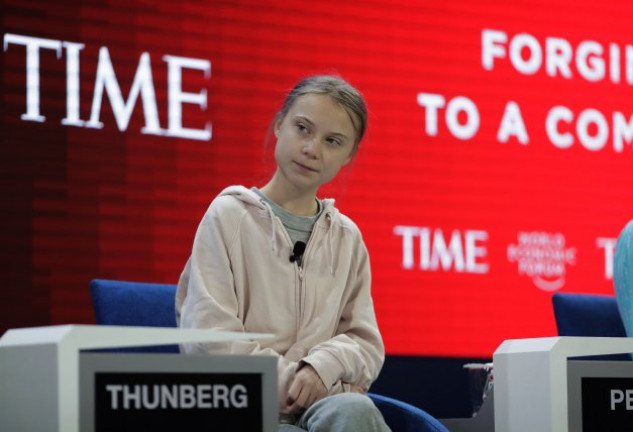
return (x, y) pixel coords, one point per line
(310, 148)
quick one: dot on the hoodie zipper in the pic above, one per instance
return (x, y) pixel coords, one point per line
(300, 296)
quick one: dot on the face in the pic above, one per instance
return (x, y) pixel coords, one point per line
(314, 141)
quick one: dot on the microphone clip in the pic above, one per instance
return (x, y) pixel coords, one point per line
(297, 252)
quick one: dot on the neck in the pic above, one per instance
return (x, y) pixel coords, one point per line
(299, 202)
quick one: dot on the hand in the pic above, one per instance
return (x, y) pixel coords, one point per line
(306, 389)
(356, 389)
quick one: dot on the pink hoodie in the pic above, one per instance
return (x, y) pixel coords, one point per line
(239, 278)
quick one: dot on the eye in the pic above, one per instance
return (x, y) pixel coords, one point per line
(334, 142)
(302, 128)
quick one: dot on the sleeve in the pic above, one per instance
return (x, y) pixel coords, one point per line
(352, 359)
(206, 296)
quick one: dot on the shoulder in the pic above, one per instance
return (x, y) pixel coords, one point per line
(231, 205)
(234, 199)
(343, 223)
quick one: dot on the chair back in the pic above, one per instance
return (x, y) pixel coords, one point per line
(587, 315)
(135, 304)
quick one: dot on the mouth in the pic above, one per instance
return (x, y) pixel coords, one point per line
(305, 167)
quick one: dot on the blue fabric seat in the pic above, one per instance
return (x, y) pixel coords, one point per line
(148, 304)
(587, 315)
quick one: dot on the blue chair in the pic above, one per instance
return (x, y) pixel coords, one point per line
(589, 315)
(148, 304)
(135, 304)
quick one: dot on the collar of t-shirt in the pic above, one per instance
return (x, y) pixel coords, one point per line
(298, 227)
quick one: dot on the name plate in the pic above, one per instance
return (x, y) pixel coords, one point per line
(164, 392)
(607, 404)
(600, 395)
(167, 401)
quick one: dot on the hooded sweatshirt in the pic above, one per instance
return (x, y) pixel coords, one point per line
(239, 278)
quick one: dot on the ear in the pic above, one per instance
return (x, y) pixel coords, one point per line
(276, 128)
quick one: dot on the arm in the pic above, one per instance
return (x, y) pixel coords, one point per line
(351, 360)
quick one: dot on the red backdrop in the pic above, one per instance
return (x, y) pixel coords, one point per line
(496, 170)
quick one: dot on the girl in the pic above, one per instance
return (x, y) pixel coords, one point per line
(278, 260)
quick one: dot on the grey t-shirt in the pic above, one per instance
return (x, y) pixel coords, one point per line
(299, 228)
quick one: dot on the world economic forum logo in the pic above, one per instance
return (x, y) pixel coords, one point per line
(543, 257)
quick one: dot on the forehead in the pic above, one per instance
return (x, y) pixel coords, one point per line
(324, 111)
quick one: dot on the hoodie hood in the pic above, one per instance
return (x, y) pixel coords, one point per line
(329, 214)
(247, 196)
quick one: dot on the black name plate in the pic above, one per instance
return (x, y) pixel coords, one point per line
(173, 401)
(607, 404)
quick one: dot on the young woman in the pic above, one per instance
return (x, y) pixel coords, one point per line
(279, 260)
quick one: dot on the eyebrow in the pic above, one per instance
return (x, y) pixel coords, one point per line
(306, 119)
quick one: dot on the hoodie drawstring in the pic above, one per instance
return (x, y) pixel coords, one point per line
(273, 239)
(328, 216)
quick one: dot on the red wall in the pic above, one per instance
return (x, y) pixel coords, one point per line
(496, 170)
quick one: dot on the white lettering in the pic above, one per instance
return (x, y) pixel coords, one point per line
(155, 400)
(220, 393)
(512, 125)
(168, 396)
(617, 396)
(431, 103)
(407, 234)
(132, 394)
(462, 253)
(187, 396)
(614, 64)
(588, 61)
(525, 54)
(491, 47)
(204, 396)
(554, 117)
(425, 248)
(608, 244)
(72, 84)
(33, 46)
(143, 84)
(177, 396)
(471, 126)
(239, 398)
(106, 79)
(475, 251)
(114, 389)
(176, 97)
(558, 56)
(591, 127)
(622, 131)
(447, 255)
(521, 43)
(628, 66)
(587, 118)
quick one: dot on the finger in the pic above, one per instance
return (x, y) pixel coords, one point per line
(303, 397)
(293, 391)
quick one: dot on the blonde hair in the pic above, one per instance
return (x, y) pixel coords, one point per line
(343, 93)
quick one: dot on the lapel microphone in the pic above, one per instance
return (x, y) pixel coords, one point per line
(297, 252)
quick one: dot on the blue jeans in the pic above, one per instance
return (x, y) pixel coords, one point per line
(345, 412)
